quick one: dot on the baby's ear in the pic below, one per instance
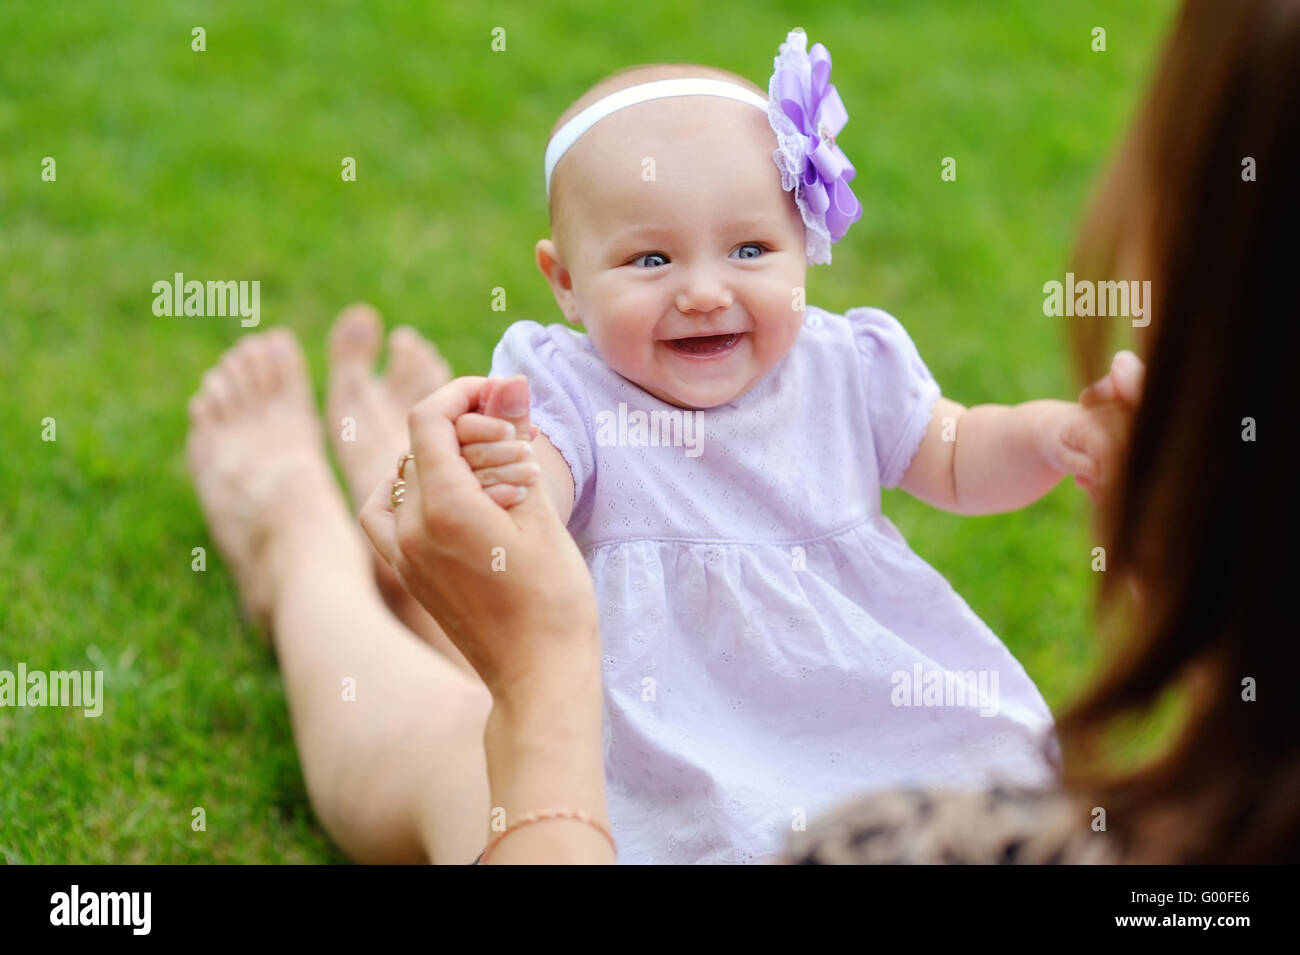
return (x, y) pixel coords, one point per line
(561, 282)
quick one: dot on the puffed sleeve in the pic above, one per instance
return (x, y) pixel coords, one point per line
(898, 390)
(551, 360)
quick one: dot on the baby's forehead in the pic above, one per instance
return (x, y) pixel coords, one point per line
(689, 125)
(660, 150)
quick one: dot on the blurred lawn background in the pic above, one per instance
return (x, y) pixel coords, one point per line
(225, 164)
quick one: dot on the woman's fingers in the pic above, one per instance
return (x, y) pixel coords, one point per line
(408, 516)
(506, 495)
(377, 519)
(1127, 372)
(525, 472)
(1099, 438)
(1099, 392)
(477, 428)
(489, 387)
(1081, 465)
(493, 442)
(504, 468)
(448, 498)
(494, 453)
(433, 435)
(1122, 383)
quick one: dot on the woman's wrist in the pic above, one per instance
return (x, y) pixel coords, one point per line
(544, 753)
(555, 714)
(560, 660)
(536, 710)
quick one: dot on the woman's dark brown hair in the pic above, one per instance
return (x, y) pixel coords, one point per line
(1204, 200)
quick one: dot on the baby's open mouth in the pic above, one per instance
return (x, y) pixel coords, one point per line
(705, 346)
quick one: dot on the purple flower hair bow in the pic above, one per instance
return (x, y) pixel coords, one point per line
(807, 114)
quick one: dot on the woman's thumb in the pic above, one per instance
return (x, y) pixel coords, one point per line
(509, 400)
(1128, 372)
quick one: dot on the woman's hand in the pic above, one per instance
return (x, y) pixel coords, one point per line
(1123, 384)
(1089, 439)
(509, 587)
(497, 450)
(513, 593)
(1118, 393)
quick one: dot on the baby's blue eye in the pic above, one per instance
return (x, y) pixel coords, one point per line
(758, 250)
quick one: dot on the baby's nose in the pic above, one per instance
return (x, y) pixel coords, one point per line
(704, 291)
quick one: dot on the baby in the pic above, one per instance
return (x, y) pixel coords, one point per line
(717, 448)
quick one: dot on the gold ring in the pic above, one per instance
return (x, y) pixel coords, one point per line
(401, 464)
(399, 492)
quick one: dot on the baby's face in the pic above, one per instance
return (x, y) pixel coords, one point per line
(685, 254)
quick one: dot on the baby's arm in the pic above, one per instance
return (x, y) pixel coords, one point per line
(555, 476)
(994, 458)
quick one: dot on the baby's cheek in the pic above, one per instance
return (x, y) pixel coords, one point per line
(625, 351)
(778, 335)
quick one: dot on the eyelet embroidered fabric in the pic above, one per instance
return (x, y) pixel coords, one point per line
(756, 606)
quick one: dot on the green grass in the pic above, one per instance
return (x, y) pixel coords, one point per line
(225, 164)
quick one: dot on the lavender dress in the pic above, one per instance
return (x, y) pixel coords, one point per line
(772, 646)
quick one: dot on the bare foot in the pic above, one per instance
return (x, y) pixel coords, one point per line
(366, 416)
(366, 412)
(256, 456)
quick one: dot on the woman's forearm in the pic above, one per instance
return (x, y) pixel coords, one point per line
(544, 751)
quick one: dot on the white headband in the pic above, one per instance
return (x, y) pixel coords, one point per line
(569, 133)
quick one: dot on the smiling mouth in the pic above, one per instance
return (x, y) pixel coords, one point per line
(705, 346)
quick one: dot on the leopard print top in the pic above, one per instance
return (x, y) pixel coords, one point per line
(1003, 826)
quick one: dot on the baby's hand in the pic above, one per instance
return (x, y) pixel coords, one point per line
(500, 460)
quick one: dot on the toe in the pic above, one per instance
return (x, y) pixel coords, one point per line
(354, 341)
(287, 363)
(237, 367)
(201, 408)
(403, 355)
(259, 359)
(439, 371)
(415, 368)
(218, 392)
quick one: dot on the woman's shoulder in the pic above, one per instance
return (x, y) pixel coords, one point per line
(997, 826)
